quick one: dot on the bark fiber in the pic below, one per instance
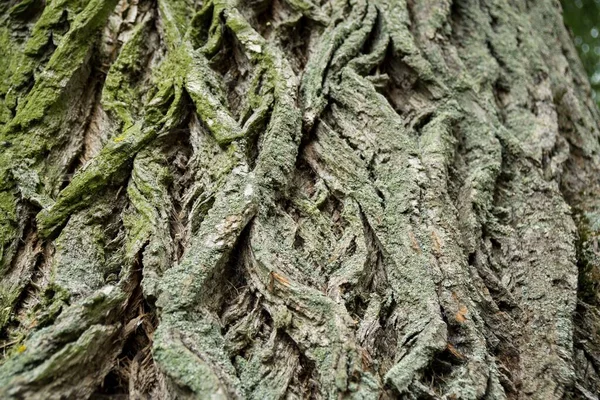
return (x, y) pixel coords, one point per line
(269, 199)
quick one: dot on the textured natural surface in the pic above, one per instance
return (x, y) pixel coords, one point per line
(273, 199)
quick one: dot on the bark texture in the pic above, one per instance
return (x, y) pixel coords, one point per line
(271, 199)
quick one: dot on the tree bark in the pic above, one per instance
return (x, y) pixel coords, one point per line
(273, 199)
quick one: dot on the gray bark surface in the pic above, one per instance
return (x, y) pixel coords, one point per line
(271, 199)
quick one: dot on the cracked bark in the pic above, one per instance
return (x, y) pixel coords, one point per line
(294, 199)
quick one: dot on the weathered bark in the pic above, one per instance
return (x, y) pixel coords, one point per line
(285, 199)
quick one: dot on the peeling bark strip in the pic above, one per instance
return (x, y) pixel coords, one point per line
(294, 199)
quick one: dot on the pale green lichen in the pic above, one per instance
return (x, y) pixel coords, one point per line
(75, 332)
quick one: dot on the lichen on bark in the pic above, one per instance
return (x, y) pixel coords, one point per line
(296, 199)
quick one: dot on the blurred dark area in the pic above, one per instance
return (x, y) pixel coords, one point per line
(583, 18)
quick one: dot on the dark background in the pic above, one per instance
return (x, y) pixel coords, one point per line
(583, 19)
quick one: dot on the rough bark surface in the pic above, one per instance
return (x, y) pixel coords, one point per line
(272, 199)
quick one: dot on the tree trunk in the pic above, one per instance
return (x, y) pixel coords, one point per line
(285, 199)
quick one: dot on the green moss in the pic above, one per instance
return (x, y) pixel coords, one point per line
(67, 58)
(8, 296)
(119, 95)
(54, 300)
(47, 29)
(149, 218)
(97, 175)
(8, 220)
(200, 30)
(163, 112)
(32, 133)
(211, 106)
(7, 49)
(215, 38)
